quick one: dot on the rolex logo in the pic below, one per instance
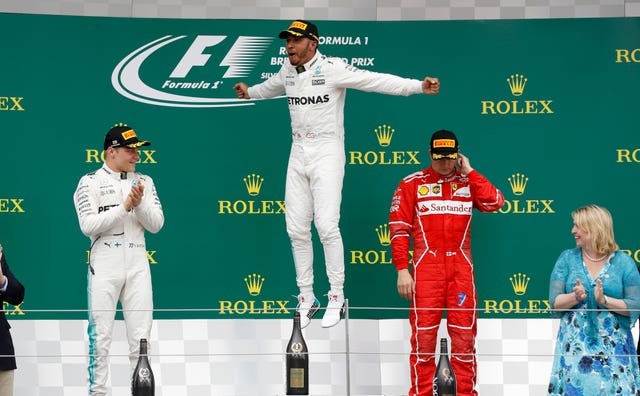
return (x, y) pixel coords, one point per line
(254, 306)
(519, 282)
(253, 183)
(518, 183)
(384, 235)
(517, 106)
(516, 84)
(384, 134)
(519, 305)
(254, 283)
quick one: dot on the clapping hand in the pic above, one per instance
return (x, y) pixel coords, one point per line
(598, 292)
(579, 292)
(135, 196)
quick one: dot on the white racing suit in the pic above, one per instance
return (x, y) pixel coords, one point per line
(118, 265)
(316, 163)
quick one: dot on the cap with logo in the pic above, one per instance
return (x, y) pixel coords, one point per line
(122, 135)
(300, 28)
(444, 144)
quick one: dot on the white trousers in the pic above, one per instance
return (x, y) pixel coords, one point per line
(313, 193)
(121, 274)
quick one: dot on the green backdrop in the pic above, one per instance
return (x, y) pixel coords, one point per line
(570, 134)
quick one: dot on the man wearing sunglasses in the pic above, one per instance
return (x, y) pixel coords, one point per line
(434, 207)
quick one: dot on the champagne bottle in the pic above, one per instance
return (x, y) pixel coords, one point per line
(142, 383)
(297, 361)
(444, 380)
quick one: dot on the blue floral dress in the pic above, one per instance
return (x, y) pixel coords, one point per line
(595, 354)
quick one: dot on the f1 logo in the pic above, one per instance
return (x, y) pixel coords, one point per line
(195, 56)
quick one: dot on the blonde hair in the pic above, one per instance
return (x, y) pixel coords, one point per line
(598, 223)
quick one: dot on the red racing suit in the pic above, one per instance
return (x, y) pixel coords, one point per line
(436, 211)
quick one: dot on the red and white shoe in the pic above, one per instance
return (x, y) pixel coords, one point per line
(334, 311)
(308, 305)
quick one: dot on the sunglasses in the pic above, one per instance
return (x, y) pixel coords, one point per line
(444, 156)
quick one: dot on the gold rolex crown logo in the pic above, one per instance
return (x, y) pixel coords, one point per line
(384, 235)
(516, 84)
(254, 283)
(518, 183)
(253, 183)
(519, 282)
(384, 134)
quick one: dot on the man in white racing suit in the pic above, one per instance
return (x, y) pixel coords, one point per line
(315, 86)
(115, 205)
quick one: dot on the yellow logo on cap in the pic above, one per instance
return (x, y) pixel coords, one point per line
(447, 143)
(128, 134)
(299, 25)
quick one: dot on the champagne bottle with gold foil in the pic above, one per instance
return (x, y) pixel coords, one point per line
(297, 361)
(142, 383)
(444, 380)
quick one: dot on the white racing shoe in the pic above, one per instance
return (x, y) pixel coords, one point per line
(335, 309)
(308, 305)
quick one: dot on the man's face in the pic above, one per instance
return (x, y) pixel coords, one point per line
(300, 49)
(443, 166)
(122, 159)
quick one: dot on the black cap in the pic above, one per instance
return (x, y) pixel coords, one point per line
(122, 135)
(444, 144)
(301, 28)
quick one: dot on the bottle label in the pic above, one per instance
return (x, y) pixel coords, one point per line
(445, 375)
(296, 378)
(144, 375)
(436, 392)
(296, 349)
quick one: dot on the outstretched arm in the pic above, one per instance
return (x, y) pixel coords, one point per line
(242, 90)
(431, 85)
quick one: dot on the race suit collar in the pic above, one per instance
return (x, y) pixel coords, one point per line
(115, 175)
(443, 179)
(313, 60)
(308, 65)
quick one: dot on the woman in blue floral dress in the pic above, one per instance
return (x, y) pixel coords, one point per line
(595, 291)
